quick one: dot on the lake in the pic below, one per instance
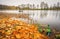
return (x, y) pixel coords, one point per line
(51, 17)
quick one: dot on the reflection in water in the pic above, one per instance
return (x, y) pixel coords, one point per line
(56, 14)
(43, 14)
(46, 17)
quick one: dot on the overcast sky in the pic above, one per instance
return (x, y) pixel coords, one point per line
(18, 2)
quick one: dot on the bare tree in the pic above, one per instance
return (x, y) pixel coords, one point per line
(33, 6)
(58, 4)
(42, 5)
(37, 6)
(46, 5)
(28, 5)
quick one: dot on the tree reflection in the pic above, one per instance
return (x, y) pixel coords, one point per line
(56, 14)
(43, 14)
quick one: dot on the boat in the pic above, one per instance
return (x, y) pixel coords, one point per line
(20, 10)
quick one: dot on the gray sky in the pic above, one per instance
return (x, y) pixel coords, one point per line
(18, 2)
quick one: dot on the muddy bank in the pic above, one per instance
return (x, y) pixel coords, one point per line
(4, 14)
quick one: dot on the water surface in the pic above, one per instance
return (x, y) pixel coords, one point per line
(51, 17)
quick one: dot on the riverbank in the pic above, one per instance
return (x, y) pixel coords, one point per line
(17, 24)
(5, 14)
(17, 29)
(26, 16)
(19, 16)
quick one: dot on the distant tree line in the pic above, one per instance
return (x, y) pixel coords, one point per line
(55, 6)
(5, 7)
(42, 6)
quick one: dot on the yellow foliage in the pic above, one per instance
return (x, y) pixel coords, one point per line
(21, 30)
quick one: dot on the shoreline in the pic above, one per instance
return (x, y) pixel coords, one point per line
(5, 14)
